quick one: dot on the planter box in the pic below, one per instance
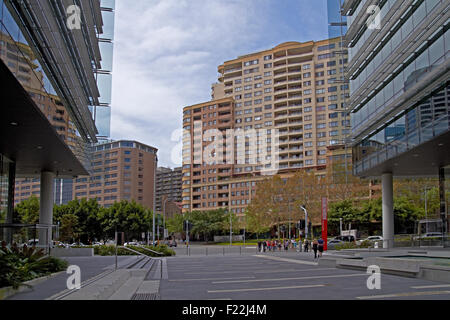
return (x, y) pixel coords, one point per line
(72, 252)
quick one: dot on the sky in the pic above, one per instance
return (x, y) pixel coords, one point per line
(166, 54)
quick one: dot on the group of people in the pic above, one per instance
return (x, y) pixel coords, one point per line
(274, 245)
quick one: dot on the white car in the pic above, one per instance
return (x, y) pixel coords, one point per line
(133, 243)
(429, 235)
(371, 238)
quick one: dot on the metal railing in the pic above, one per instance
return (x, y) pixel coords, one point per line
(34, 235)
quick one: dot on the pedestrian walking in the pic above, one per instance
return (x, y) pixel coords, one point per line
(320, 241)
(279, 245)
(274, 245)
(306, 245)
(259, 246)
(264, 246)
(315, 245)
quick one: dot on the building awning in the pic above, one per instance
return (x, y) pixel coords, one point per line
(28, 138)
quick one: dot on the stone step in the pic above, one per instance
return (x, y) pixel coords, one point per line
(128, 289)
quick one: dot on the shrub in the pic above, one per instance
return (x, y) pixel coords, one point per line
(18, 265)
(106, 250)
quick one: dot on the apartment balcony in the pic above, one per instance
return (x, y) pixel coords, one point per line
(280, 74)
(281, 124)
(281, 115)
(294, 149)
(280, 91)
(279, 82)
(281, 99)
(280, 67)
(295, 132)
(295, 79)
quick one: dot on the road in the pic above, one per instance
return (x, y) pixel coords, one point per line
(282, 276)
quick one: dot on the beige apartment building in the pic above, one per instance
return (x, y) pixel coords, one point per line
(281, 108)
(121, 170)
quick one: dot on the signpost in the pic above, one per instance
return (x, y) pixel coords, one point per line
(324, 222)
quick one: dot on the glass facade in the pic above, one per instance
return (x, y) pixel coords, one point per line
(398, 86)
(434, 53)
(102, 112)
(425, 121)
(336, 22)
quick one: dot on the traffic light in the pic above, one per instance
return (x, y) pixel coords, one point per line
(301, 224)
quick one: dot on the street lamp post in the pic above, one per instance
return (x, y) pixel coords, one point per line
(306, 221)
(164, 217)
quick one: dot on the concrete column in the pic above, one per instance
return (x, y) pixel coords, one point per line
(10, 209)
(46, 206)
(388, 210)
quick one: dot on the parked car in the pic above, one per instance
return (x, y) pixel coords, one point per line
(371, 239)
(77, 245)
(132, 243)
(331, 245)
(429, 235)
(346, 238)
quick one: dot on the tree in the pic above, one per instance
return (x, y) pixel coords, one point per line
(128, 217)
(209, 223)
(69, 230)
(175, 224)
(88, 215)
(27, 211)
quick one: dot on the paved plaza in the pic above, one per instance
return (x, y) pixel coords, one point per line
(251, 276)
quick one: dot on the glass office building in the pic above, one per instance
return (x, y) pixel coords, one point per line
(50, 75)
(102, 112)
(399, 93)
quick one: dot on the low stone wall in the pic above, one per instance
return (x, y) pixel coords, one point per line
(72, 252)
(227, 238)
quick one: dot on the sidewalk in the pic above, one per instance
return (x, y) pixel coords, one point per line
(90, 267)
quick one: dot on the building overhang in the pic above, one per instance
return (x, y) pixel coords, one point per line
(423, 160)
(28, 138)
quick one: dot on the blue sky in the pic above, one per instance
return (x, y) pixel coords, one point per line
(167, 52)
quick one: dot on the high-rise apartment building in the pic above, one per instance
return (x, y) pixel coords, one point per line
(274, 111)
(399, 75)
(121, 170)
(168, 187)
